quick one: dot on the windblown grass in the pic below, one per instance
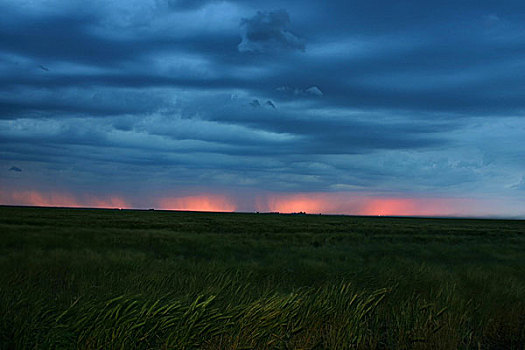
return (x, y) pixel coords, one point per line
(94, 279)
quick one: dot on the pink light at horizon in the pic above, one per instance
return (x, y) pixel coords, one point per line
(348, 203)
(410, 206)
(61, 199)
(204, 202)
(293, 203)
(362, 204)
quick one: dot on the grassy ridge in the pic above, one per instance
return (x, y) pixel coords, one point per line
(112, 279)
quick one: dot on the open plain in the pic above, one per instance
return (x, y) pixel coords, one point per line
(107, 279)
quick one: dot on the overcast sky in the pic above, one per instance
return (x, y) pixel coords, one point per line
(362, 107)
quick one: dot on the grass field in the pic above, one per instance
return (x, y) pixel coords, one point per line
(108, 279)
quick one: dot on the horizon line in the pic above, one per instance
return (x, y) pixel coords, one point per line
(271, 213)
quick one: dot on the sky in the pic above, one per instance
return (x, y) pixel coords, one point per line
(349, 107)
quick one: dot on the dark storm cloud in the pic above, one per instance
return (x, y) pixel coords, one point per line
(302, 95)
(270, 104)
(80, 103)
(60, 37)
(378, 16)
(267, 31)
(187, 4)
(326, 134)
(439, 70)
(311, 91)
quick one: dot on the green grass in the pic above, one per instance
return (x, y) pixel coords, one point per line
(108, 279)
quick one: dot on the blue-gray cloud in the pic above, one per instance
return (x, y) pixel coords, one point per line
(268, 31)
(520, 185)
(187, 4)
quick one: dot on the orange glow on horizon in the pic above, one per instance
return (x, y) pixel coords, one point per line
(58, 199)
(199, 203)
(361, 204)
(291, 204)
(345, 203)
(403, 207)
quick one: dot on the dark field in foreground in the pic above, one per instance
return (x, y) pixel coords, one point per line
(104, 279)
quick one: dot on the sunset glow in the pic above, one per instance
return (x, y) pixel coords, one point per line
(345, 203)
(58, 199)
(407, 206)
(198, 203)
(291, 204)
(362, 204)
